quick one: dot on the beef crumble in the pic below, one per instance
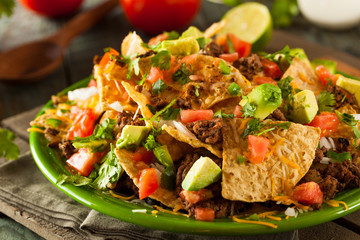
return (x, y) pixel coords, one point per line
(277, 115)
(207, 131)
(213, 49)
(249, 66)
(127, 118)
(67, 149)
(343, 97)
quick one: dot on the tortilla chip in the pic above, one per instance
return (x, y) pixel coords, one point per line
(176, 148)
(303, 75)
(132, 44)
(277, 174)
(132, 169)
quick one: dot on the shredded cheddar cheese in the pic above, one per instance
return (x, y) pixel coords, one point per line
(305, 79)
(272, 186)
(35, 130)
(243, 123)
(287, 201)
(154, 212)
(274, 218)
(254, 222)
(287, 217)
(335, 203)
(169, 211)
(275, 146)
(121, 197)
(265, 214)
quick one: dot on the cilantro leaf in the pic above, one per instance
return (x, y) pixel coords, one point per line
(182, 74)
(241, 159)
(326, 101)
(234, 89)
(284, 125)
(8, 149)
(346, 118)
(225, 69)
(162, 60)
(6, 7)
(284, 53)
(339, 157)
(142, 81)
(131, 61)
(286, 88)
(151, 143)
(220, 114)
(151, 108)
(109, 172)
(248, 110)
(253, 126)
(158, 87)
(162, 111)
(171, 113)
(76, 180)
(173, 35)
(202, 42)
(230, 45)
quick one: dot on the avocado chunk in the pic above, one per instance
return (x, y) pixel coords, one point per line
(350, 85)
(163, 156)
(328, 64)
(180, 47)
(193, 32)
(265, 97)
(304, 107)
(132, 136)
(202, 173)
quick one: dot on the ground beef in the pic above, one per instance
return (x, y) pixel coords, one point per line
(52, 136)
(207, 131)
(139, 88)
(125, 185)
(67, 149)
(213, 49)
(158, 103)
(343, 97)
(183, 104)
(319, 154)
(312, 175)
(277, 115)
(59, 99)
(146, 54)
(126, 118)
(341, 144)
(341, 172)
(249, 66)
(96, 59)
(329, 186)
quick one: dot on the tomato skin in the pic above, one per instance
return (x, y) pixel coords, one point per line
(107, 57)
(262, 80)
(154, 75)
(237, 111)
(52, 8)
(230, 57)
(143, 155)
(148, 183)
(308, 193)
(159, 38)
(83, 124)
(187, 116)
(155, 16)
(258, 147)
(204, 214)
(241, 47)
(83, 161)
(324, 75)
(327, 122)
(271, 69)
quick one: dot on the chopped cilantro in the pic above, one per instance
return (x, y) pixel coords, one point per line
(283, 125)
(197, 94)
(171, 113)
(53, 122)
(225, 69)
(151, 143)
(131, 61)
(158, 87)
(8, 149)
(64, 110)
(182, 74)
(7, 7)
(162, 111)
(161, 60)
(326, 101)
(254, 217)
(241, 159)
(151, 108)
(234, 89)
(142, 81)
(286, 88)
(346, 118)
(220, 114)
(339, 157)
(107, 49)
(254, 126)
(76, 180)
(202, 42)
(284, 53)
(173, 35)
(248, 110)
(230, 45)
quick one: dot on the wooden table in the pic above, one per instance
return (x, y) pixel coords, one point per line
(77, 64)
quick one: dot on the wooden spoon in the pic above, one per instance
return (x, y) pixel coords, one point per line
(33, 61)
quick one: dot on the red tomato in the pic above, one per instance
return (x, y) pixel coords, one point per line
(195, 115)
(327, 122)
(324, 75)
(159, 38)
(262, 80)
(141, 154)
(107, 56)
(52, 8)
(230, 57)
(154, 75)
(308, 193)
(271, 69)
(241, 47)
(83, 161)
(92, 83)
(258, 147)
(155, 16)
(204, 214)
(148, 183)
(83, 125)
(237, 111)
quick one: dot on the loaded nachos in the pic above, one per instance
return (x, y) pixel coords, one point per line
(198, 124)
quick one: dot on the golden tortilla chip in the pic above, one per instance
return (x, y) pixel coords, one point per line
(132, 169)
(288, 159)
(303, 75)
(132, 44)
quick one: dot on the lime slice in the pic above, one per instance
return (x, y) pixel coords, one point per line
(251, 22)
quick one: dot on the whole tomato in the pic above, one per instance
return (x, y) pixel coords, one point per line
(52, 8)
(155, 16)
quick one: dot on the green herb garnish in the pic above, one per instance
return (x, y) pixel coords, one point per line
(326, 101)
(220, 114)
(161, 60)
(8, 149)
(158, 87)
(225, 69)
(339, 157)
(234, 89)
(182, 74)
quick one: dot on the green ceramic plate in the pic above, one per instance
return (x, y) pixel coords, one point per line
(52, 165)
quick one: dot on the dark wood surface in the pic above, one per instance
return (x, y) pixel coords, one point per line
(25, 26)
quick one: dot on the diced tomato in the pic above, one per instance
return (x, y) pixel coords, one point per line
(83, 161)
(258, 147)
(148, 182)
(327, 122)
(271, 69)
(141, 154)
(189, 59)
(74, 111)
(230, 57)
(83, 124)
(308, 193)
(262, 80)
(155, 40)
(237, 111)
(92, 83)
(107, 56)
(204, 214)
(195, 115)
(324, 75)
(241, 47)
(154, 75)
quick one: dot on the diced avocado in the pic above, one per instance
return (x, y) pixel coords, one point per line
(328, 64)
(266, 98)
(98, 144)
(350, 85)
(132, 136)
(304, 107)
(168, 178)
(193, 32)
(180, 47)
(53, 122)
(163, 156)
(202, 173)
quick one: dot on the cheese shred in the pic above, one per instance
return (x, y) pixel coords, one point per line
(169, 211)
(235, 219)
(335, 203)
(35, 130)
(121, 197)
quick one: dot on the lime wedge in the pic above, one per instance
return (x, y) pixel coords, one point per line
(251, 22)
